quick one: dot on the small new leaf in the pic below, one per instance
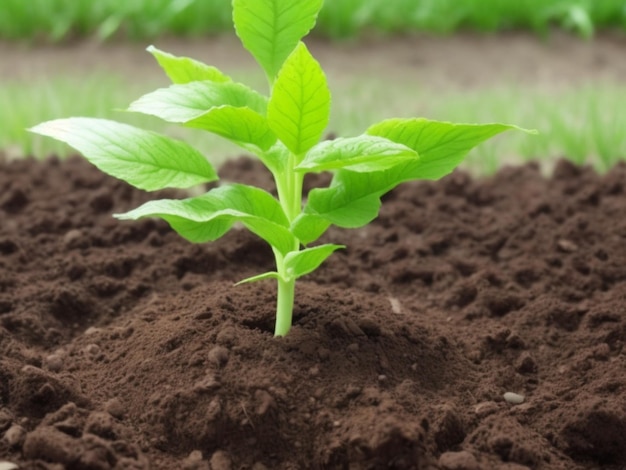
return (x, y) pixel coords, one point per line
(259, 277)
(299, 108)
(300, 263)
(145, 159)
(184, 69)
(308, 227)
(271, 29)
(353, 200)
(362, 154)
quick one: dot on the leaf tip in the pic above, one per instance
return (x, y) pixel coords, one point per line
(43, 128)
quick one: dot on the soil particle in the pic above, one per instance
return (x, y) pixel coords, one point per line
(123, 346)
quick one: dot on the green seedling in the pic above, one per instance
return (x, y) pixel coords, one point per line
(284, 131)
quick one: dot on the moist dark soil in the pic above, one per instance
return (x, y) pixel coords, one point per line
(123, 346)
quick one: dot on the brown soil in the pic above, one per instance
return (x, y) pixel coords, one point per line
(124, 347)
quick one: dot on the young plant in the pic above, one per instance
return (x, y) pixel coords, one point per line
(284, 131)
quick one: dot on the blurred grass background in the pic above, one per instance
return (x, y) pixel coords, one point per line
(56, 20)
(586, 124)
(573, 123)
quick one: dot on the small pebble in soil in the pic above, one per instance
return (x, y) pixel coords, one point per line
(396, 307)
(513, 398)
(8, 466)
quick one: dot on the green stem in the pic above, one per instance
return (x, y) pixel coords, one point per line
(284, 306)
(289, 187)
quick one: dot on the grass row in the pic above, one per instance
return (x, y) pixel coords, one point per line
(585, 125)
(146, 19)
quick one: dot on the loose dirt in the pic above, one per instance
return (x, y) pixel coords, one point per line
(125, 347)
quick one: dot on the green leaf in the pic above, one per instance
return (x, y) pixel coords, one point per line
(362, 154)
(299, 108)
(183, 103)
(142, 158)
(271, 29)
(185, 70)
(300, 263)
(208, 217)
(309, 227)
(353, 199)
(260, 277)
(242, 126)
(440, 145)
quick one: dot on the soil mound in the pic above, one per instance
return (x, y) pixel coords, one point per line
(123, 346)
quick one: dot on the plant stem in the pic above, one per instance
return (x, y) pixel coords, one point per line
(289, 187)
(284, 306)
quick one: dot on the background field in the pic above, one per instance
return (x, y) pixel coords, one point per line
(148, 19)
(78, 57)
